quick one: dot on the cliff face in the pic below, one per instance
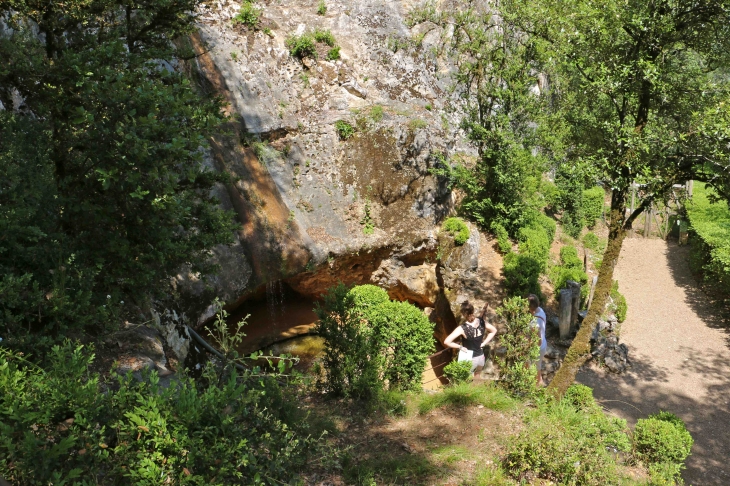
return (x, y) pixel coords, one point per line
(314, 208)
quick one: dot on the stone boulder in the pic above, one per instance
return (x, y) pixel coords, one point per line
(416, 284)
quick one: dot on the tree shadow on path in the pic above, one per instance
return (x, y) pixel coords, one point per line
(689, 375)
(714, 315)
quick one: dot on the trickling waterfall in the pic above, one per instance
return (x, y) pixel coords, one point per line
(275, 301)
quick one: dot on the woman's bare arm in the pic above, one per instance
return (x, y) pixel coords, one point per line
(492, 332)
(449, 341)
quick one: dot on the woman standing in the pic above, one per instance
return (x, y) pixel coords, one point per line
(473, 331)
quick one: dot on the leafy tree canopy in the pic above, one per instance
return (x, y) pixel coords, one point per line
(103, 193)
(639, 91)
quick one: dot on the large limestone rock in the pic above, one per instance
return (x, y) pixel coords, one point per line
(416, 284)
(303, 196)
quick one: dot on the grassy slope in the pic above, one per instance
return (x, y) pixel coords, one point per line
(459, 436)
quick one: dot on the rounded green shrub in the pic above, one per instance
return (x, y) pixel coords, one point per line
(248, 15)
(593, 199)
(503, 241)
(659, 439)
(569, 257)
(371, 341)
(325, 36)
(534, 243)
(548, 224)
(365, 296)
(521, 274)
(458, 229)
(458, 372)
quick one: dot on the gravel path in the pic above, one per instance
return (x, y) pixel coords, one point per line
(680, 352)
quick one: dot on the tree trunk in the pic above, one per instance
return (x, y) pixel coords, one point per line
(581, 348)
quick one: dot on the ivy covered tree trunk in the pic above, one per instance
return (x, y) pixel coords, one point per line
(580, 349)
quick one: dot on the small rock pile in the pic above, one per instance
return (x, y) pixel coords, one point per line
(605, 346)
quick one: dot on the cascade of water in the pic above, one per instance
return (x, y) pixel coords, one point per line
(275, 300)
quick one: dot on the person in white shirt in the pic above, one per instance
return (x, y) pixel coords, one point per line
(540, 319)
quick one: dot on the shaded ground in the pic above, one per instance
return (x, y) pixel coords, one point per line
(680, 350)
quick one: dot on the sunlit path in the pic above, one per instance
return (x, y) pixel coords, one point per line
(680, 353)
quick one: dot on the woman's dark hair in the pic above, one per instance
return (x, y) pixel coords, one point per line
(467, 309)
(533, 301)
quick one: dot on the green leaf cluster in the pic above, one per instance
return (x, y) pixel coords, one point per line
(569, 442)
(458, 372)
(65, 424)
(495, 77)
(503, 241)
(620, 306)
(521, 342)
(103, 192)
(570, 268)
(248, 15)
(523, 269)
(370, 341)
(663, 440)
(593, 201)
(457, 228)
(302, 46)
(344, 129)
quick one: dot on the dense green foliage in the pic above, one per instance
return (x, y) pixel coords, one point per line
(523, 269)
(710, 226)
(457, 228)
(591, 241)
(593, 201)
(458, 372)
(325, 36)
(370, 341)
(67, 425)
(103, 194)
(569, 442)
(638, 95)
(344, 129)
(521, 341)
(321, 8)
(620, 306)
(503, 242)
(333, 54)
(570, 268)
(302, 46)
(495, 78)
(663, 439)
(249, 15)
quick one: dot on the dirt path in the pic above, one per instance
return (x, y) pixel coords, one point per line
(680, 351)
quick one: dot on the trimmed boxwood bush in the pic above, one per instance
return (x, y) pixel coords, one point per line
(370, 341)
(458, 372)
(593, 199)
(457, 228)
(662, 438)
